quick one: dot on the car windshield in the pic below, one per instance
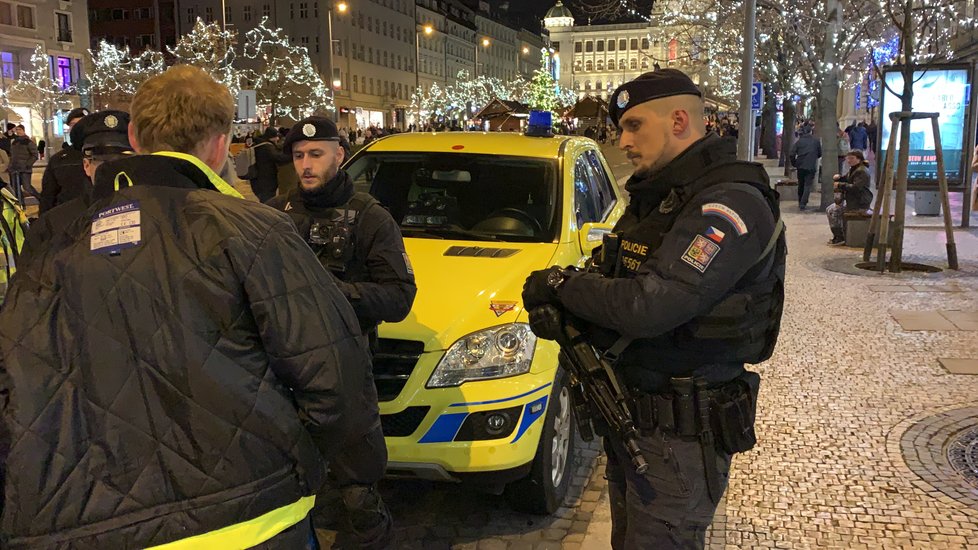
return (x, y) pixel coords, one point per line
(464, 196)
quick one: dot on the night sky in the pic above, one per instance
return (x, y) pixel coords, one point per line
(534, 10)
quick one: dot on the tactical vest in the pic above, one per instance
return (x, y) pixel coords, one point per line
(744, 326)
(332, 236)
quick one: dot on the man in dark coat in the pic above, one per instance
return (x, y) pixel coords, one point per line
(176, 363)
(694, 293)
(64, 178)
(23, 155)
(359, 242)
(268, 158)
(804, 156)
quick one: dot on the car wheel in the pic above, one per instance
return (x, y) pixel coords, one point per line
(544, 490)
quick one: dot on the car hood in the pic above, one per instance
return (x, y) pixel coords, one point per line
(465, 286)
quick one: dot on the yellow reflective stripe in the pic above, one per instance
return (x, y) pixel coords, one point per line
(215, 180)
(249, 533)
(119, 176)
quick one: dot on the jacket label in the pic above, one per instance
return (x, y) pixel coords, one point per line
(116, 228)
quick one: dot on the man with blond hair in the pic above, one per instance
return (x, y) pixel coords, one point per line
(177, 363)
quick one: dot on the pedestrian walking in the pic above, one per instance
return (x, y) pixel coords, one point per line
(359, 242)
(64, 178)
(695, 292)
(804, 156)
(178, 365)
(23, 155)
(268, 159)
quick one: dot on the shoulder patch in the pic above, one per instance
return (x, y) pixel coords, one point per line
(726, 213)
(700, 253)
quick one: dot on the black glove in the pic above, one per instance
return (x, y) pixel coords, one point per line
(547, 322)
(541, 286)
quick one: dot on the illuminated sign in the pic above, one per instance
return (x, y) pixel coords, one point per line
(944, 89)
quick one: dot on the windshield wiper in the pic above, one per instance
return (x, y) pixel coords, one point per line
(450, 233)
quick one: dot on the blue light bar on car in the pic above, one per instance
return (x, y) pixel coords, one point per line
(540, 124)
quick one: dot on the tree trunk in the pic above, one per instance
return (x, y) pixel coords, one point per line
(769, 133)
(899, 210)
(787, 133)
(826, 100)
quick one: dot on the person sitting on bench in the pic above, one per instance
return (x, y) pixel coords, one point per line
(855, 193)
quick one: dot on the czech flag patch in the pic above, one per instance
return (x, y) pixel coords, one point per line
(714, 234)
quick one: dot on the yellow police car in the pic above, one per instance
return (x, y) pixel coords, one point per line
(467, 392)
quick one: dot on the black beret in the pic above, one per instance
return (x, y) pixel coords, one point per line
(104, 129)
(649, 86)
(314, 128)
(77, 112)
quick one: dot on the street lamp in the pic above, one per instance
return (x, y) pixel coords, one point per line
(428, 29)
(485, 44)
(335, 80)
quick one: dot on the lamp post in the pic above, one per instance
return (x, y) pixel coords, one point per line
(334, 81)
(428, 29)
(485, 44)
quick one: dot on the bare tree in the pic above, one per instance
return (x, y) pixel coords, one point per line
(610, 10)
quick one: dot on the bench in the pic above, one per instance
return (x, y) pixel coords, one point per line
(857, 227)
(787, 189)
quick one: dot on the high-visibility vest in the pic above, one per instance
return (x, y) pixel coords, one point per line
(13, 229)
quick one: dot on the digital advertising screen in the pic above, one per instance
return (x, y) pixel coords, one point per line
(944, 89)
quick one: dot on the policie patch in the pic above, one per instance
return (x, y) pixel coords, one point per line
(700, 253)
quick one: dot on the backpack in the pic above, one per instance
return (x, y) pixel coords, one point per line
(13, 228)
(244, 163)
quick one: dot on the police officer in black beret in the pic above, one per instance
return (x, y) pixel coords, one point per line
(359, 242)
(64, 177)
(95, 139)
(694, 292)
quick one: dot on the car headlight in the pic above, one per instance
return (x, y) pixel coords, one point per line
(496, 352)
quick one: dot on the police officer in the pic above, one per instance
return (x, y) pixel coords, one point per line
(694, 292)
(95, 139)
(64, 178)
(358, 241)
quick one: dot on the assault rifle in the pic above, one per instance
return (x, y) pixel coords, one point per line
(594, 383)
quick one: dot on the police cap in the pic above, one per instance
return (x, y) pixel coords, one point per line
(314, 128)
(108, 130)
(77, 112)
(649, 86)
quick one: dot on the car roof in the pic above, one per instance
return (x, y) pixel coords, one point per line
(486, 143)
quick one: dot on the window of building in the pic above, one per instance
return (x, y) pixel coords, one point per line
(303, 10)
(63, 72)
(8, 64)
(247, 13)
(384, 27)
(600, 45)
(387, 88)
(633, 44)
(370, 55)
(142, 13)
(25, 17)
(622, 43)
(645, 62)
(360, 20)
(6, 14)
(385, 58)
(266, 10)
(208, 15)
(621, 64)
(146, 40)
(577, 65)
(315, 10)
(589, 46)
(578, 47)
(370, 23)
(633, 64)
(611, 45)
(588, 66)
(600, 64)
(645, 43)
(371, 86)
(356, 87)
(64, 26)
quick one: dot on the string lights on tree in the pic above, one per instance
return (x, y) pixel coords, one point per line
(212, 49)
(114, 75)
(37, 85)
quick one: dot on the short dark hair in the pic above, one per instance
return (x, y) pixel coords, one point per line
(21, 126)
(858, 154)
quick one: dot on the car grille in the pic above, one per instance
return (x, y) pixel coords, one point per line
(404, 423)
(393, 364)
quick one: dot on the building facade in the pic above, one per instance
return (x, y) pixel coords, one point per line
(596, 59)
(60, 27)
(133, 24)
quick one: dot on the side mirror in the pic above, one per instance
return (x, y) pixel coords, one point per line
(591, 234)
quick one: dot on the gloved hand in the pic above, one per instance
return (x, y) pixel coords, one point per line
(547, 322)
(538, 289)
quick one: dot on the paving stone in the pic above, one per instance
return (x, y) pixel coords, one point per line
(964, 320)
(922, 320)
(960, 366)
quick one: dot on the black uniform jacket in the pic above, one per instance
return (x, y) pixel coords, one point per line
(717, 237)
(378, 281)
(63, 180)
(175, 386)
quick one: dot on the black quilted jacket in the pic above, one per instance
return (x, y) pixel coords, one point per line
(177, 387)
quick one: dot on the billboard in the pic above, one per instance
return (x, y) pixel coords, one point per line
(944, 89)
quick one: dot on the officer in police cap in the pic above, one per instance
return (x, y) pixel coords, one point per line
(358, 241)
(693, 293)
(95, 139)
(64, 177)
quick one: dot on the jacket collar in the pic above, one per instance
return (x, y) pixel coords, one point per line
(164, 168)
